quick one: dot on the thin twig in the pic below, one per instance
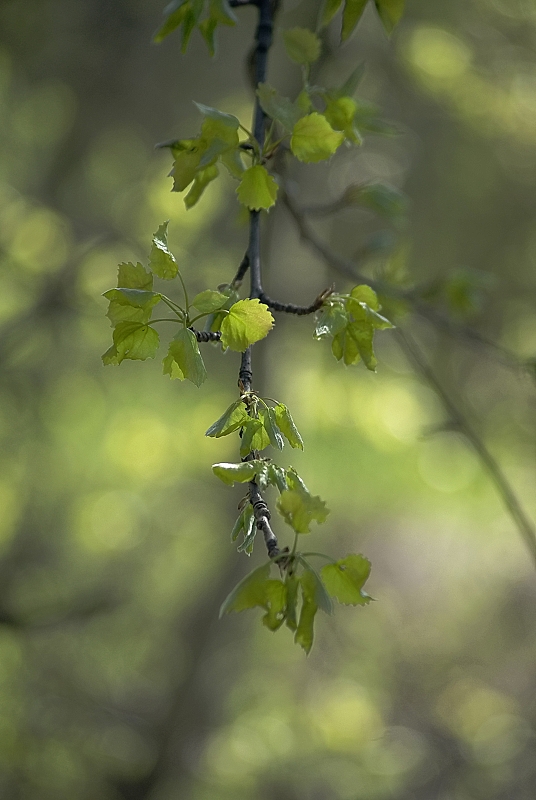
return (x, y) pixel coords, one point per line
(291, 308)
(498, 478)
(206, 336)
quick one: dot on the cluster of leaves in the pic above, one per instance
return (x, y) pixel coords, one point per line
(131, 305)
(390, 12)
(301, 586)
(205, 15)
(314, 125)
(351, 321)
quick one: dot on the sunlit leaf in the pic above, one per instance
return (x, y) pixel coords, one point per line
(247, 322)
(287, 426)
(208, 301)
(330, 320)
(364, 294)
(291, 617)
(237, 473)
(254, 437)
(269, 421)
(345, 579)
(321, 596)
(340, 113)
(313, 139)
(134, 276)
(201, 181)
(132, 340)
(275, 603)
(250, 530)
(250, 592)
(298, 506)
(232, 419)
(257, 188)
(162, 261)
(187, 155)
(131, 305)
(302, 45)
(304, 635)
(184, 359)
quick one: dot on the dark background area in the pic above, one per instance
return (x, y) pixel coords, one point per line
(117, 681)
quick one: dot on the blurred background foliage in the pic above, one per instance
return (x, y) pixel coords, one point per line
(116, 679)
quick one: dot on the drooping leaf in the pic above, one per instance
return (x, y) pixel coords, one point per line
(352, 82)
(232, 161)
(250, 592)
(380, 198)
(353, 10)
(273, 476)
(176, 13)
(340, 113)
(232, 419)
(330, 320)
(287, 426)
(313, 139)
(201, 181)
(132, 340)
(257, 188)
(390, 12)
(134, 276)
(275, 603)
(250, 530)
(304, 635)
(321, 596)
(227, 120)
(291, 618)
(277, 107)
(242, 523)
(271, 427)
(247, 322)
(162, 261)
(187, 157)
(345, 579)
(237, 473)
(302, 45)
(298, 506)
(328, 12)
(208, 301)
(184, 360)
(254, 437)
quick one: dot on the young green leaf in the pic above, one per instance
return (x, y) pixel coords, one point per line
(287, 426)
(291, 618)
(250, 530)
(382, 199)
(304, 635)
(313, 139)
(237, 473)
(132, 340)
(390, 12)
(243, 522)
(227, 120)
(302, 45)
(330, 320)
(351, 15)
(232, 419)
(277, 107)
(131, 305)
(250, 592)
(345, 579)
(162, 261)
(364, 294)
(328, 12)
(254, 437)
(201, 181)
(271, 427)
(209, 301)
(187, 157)
(176, 12)
(321, 596)
(340, 113)
(273, 476)
(184, 360)
(275, 603)
(298, 507)
(247, 322)
(257, 188)
(352, 82)
(134, 276)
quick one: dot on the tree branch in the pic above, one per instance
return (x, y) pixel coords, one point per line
(290, 308)
(498, 478)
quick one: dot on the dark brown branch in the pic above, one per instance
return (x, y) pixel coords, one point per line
(262, 515)
(206, 336)
(241, 272)
(290, 308)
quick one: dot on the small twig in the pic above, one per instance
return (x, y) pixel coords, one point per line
(456, 417)
(290, 308)
(241, 272)
(206, 336)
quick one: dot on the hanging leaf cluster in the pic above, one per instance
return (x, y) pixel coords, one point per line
(205, 15)
(390, 12)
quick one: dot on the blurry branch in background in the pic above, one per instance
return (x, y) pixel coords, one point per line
(412, 297)
(456, 420)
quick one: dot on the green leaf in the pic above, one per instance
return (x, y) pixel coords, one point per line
(277, 107)
(305, 632)
(254, 437)
(331, 319)
(237, 473)
(364, 294)
(298, 507)
(132, 276)
(351, 15)
(132, 340)
(382, 199)
(390, 12)
(243, 522)
(313, 139)
(257, 188)
(250, 592)
(328, 12)
(250, 530)
(345, 579)
(340, 113)
(273, 476)
(288, 428)
(232, 161)
(184, 360)
(208, 301)
(275, 602)
(208, 28)
(247, 322)
(271, 427)
(131, 305)
(352, 82)
(187, 154)
(227, 120)
(201, 181)
(293, 584)
(321, 596)
(162, 261)
(174, 20)
(302, 45)
(232, 419)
